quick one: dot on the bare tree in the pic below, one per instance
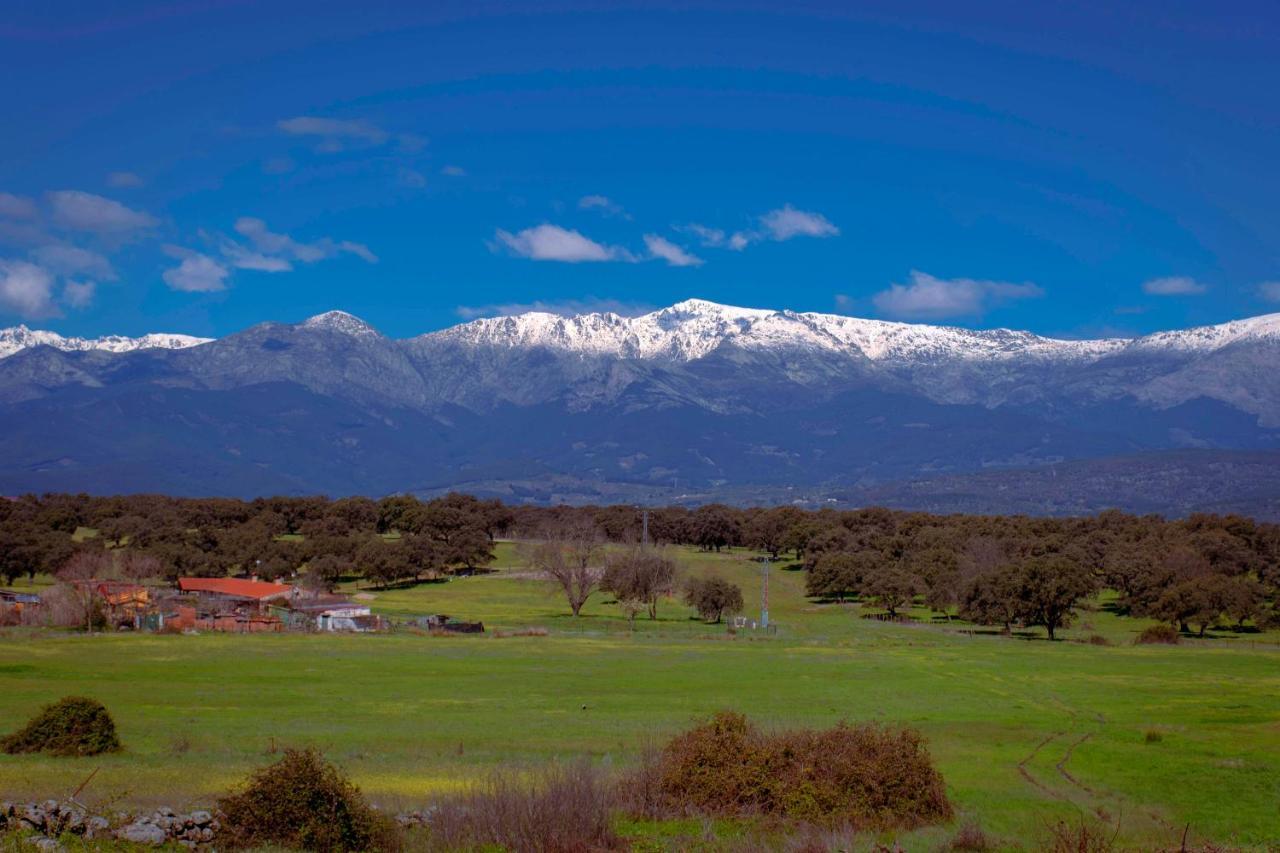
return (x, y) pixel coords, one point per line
(570, 558)
(639, 575)
(80, 572)
(139, 566)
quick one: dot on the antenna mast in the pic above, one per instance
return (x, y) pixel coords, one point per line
(764, 596)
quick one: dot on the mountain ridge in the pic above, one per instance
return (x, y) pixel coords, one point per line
(689, 329)
(724, 400)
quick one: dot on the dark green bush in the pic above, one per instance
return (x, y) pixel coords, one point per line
(864, 776)
(74, 725)
(305, 803)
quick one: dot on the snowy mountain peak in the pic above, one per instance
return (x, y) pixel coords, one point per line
(18, 338)
(341, 321)
(692, 329)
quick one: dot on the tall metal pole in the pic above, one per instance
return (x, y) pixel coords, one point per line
(764, 597)
(644, 535)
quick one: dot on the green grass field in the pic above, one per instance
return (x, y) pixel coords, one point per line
(1024, 731)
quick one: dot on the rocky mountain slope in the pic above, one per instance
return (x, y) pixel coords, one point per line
(724, 400)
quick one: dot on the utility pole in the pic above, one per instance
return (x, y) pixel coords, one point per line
(764, 596)
(644, 531)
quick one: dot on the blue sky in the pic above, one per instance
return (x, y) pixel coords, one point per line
(1075, 169)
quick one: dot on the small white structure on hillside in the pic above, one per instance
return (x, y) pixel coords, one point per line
(346, 617)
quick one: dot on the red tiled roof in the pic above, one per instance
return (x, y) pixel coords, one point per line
(234, 586)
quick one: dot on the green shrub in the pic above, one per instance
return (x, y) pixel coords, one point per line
(74, 725)
(1157, 634)
(305, 803)
(864, 776)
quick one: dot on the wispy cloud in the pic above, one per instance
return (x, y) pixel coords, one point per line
(928, 298)
(711, 238)
(454, 172)
(26, 290)
(786, 222)
(1270, 291)
(563, 308)
(82, 211)
(278, 166)
(79, 294)
(335, 135)
(333, 130)
(664, 249)
(778, 225)
(411, 178)
(549, 242)
(17, 207)
(603, 204)
(196, 272)
(1177, 285)
(74, 261)
(283, 248)
(124, 180)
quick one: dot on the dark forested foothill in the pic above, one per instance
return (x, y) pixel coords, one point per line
(1192, 573)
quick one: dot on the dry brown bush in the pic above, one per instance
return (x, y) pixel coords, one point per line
(1080, 836)
(864, 776)
(968, 838)
(1156, 634)
(558, 809)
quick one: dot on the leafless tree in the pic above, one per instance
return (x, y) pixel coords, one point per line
(640, 575)
(139, 566)
(569, 556)
(79, 573)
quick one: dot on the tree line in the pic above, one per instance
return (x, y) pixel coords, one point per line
(998, 570)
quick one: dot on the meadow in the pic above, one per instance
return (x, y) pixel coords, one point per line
(1025, 732)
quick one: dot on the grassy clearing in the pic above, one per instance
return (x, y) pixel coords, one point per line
(1024, 732)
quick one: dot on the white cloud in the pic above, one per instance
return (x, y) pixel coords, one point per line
(243, 258)
(603, 204)
(548, 242)
(1177, 285)
(16, 207)
(564, 308)
(779, 225)
(927, 297)
(197, 273)
(72, 260)
(787, 222)
(124, 180)
(83, 211)
(712, 238)
(660, 247)
(454, 171)
(332, 130)
(79, 294)
(282, 247)
(1270, 291)
(26, 290)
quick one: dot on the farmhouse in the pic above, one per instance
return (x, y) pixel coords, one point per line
(328, 613)
(236, 589)
(233, 605)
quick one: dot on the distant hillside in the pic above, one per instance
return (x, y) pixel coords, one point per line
(1173, 483)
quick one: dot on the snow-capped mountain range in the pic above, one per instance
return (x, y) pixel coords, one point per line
(692, 329)
(709, 395)
(17, 338)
